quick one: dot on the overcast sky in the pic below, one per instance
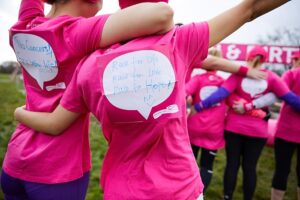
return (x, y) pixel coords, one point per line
(287, 16)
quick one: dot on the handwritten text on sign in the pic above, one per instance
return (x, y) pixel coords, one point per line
(36, 56)
(139, 80)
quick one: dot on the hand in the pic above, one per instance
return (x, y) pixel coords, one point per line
(189, 101)
(256, 74)
(18, 111)
(193, 111)
(238, 107)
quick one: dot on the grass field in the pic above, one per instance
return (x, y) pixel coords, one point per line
(10, 98)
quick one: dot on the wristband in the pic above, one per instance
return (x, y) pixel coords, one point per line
(242, 71)
(198, 106)
(248, 106)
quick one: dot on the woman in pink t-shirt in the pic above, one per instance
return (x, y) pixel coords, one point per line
(287, 136)
(136, 91)
(286, 133)
(206, 129)
(39, 166)
(246, 135)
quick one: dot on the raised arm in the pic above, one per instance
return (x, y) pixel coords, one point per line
(50, 123)
(226, 23)
(29, 9)
(135, 21)
(221, 64)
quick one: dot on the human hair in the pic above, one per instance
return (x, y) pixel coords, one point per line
(257, 60)
(179, 24)
(51, 2)
(213, 51)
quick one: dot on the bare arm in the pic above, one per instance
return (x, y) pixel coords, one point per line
(29, 9)
(135, 21)
(226, 23)
(221, 64)
(49, 123)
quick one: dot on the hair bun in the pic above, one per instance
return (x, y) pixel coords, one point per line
(127, 3)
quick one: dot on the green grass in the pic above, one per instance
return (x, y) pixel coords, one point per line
(10, 98)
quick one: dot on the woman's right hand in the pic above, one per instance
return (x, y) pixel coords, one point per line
(256, 74)
(18, 112)
(238, 106)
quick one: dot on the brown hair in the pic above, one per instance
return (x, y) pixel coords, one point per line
(257, 60)
(55, 1)
(213, 51)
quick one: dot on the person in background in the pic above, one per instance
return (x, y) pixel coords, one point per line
(39, 166)
(287, 137)
(206, 129)
(286, 133)
(246, 135)
(149, 154)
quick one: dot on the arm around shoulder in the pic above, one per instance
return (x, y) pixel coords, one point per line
(136, 21)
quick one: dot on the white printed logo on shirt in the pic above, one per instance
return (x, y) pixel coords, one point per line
(36, 56)
(254, 87)
(139, 81)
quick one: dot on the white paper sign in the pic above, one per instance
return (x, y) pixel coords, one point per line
(36, 56)
(139, 80)
(254, 87)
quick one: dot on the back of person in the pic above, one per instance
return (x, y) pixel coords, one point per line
(49, 50)
(288, 123)
(206, 128)
(137, 93)
(250, 89)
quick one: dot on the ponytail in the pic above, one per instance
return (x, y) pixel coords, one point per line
(51, 2)
(256, 61)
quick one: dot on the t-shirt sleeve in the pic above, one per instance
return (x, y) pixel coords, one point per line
(191, 86)
(287, 78)
(30, 9)
(84, 35)
(278, 86)
(231, 83)
(192, 42)
(72, 99)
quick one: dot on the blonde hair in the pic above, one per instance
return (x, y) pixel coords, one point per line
(213, 51)
(257, 60)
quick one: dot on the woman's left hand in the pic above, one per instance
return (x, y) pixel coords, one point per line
(238, 107)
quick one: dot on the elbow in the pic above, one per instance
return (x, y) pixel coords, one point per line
(252, 13)
(209, 63)
(250, 10)
(166, 17)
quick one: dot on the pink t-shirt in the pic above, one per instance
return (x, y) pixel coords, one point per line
(249, 90)
(136, 91)
(206, 128)
(49, 51)
(288, 127)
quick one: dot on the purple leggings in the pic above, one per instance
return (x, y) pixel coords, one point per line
(16, 189)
